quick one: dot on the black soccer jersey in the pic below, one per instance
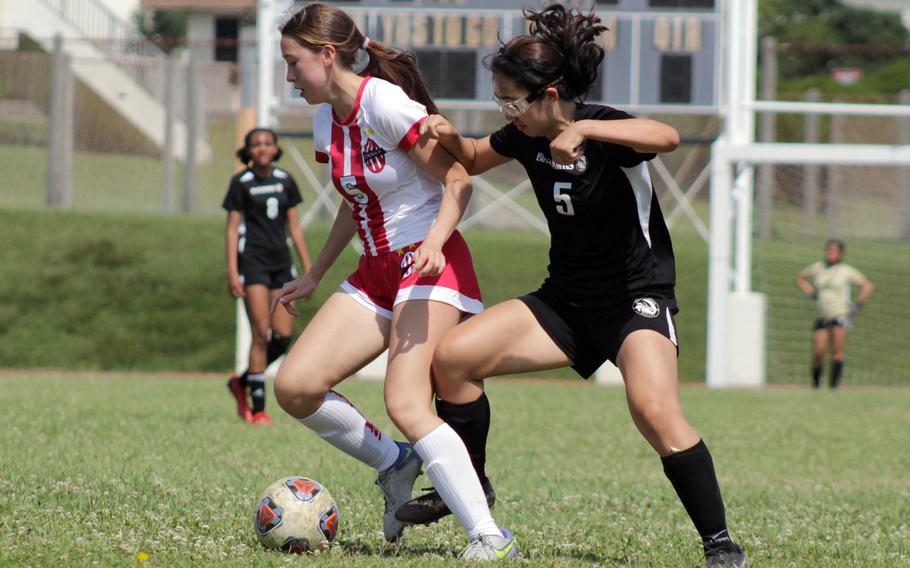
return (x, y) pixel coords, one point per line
(264, 203)
(608, 241)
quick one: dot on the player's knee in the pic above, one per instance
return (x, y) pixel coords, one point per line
(408, 416)
(260, 335)
(652, 412)
(449, 361)
(297, 395)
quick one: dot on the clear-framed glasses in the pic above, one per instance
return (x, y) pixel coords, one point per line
(512, 109)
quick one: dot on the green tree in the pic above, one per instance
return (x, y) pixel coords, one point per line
(832, 35)
(166, 28)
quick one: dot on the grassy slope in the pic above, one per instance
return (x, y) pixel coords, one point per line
(98, 469)
(115, 291)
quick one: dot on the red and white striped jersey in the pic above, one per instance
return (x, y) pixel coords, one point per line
(394, 201)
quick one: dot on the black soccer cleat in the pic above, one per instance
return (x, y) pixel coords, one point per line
(429, 507)
(727, 555)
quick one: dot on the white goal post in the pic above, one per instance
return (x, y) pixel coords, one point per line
(736, 352)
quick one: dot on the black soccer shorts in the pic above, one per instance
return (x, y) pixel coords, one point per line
(589, 336)
(272, 278)
(840, 321)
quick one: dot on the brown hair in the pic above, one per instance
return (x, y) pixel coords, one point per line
(560, 50)
(316, 25)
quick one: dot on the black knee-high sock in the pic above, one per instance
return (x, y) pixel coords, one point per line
(257, 391)
(837, 368)
(816, 376)
(472, 423)
(692, 474)
(276, 347)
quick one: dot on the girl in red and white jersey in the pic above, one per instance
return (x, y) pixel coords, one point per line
(404, 197)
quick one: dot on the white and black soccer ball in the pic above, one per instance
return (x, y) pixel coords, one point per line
(297, 515)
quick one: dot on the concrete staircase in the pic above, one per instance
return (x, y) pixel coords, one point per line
(109, 56)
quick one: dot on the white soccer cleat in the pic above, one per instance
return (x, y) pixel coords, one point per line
(488, 548)
(396, 484)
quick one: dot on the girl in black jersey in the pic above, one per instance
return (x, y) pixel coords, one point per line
(610, 290)
(262, 198)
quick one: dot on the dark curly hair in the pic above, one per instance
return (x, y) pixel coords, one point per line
(560, 49)
(243, 153)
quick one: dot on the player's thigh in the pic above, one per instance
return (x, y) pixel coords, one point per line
(838, 339)
(820, 341)
(282, 322)
(257, 308)
(417, 327)
(504, 339)
(341, 338)
(647, 361)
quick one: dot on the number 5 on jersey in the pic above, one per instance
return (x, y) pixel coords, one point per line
(349, 185)
(563, 200)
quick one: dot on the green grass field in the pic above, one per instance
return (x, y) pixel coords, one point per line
(97, 469)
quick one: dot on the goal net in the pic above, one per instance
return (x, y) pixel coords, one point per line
(797, 209)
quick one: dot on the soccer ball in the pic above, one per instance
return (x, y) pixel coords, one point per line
(296, 514)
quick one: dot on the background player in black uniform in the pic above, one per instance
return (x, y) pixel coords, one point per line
(610, 290)
(263, 199)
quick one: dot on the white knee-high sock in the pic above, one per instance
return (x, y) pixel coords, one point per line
(339, 423)
(448, 466)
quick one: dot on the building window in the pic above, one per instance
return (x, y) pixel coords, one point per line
(613, 2)
(682, 3)
(448, 74)
(227, 37)
(676, 79)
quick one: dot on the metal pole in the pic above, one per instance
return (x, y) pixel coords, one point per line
(718, 265)
(67, 133)
(192, 132)
(743, 193)
(265, 35)
(168, 166)
(835, 180)
(903, 174)
(55, 146)
(810, 172)
(766, 172)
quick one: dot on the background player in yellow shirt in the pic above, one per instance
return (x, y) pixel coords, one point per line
(830, 284)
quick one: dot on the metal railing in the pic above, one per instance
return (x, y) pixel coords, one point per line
(122, 43)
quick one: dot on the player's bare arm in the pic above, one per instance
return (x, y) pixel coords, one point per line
(641, 134)
(435, 160)
(232, 236)
(342, 232)
(299, 240)
(476, 155)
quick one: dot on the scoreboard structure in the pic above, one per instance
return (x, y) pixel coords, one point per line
(661, 56)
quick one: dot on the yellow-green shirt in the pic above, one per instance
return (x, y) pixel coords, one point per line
(833, 286)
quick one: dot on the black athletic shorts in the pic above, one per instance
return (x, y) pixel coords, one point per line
(590, 336)
(840, 321)
(272, 278)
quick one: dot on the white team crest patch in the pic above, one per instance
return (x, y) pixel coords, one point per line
(581, 164)
(646, 307)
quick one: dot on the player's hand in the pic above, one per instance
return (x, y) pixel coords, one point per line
(235, 286)
(298, 289)
(566, 147)
(855, 307)
(436, 126)
(429, 260)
